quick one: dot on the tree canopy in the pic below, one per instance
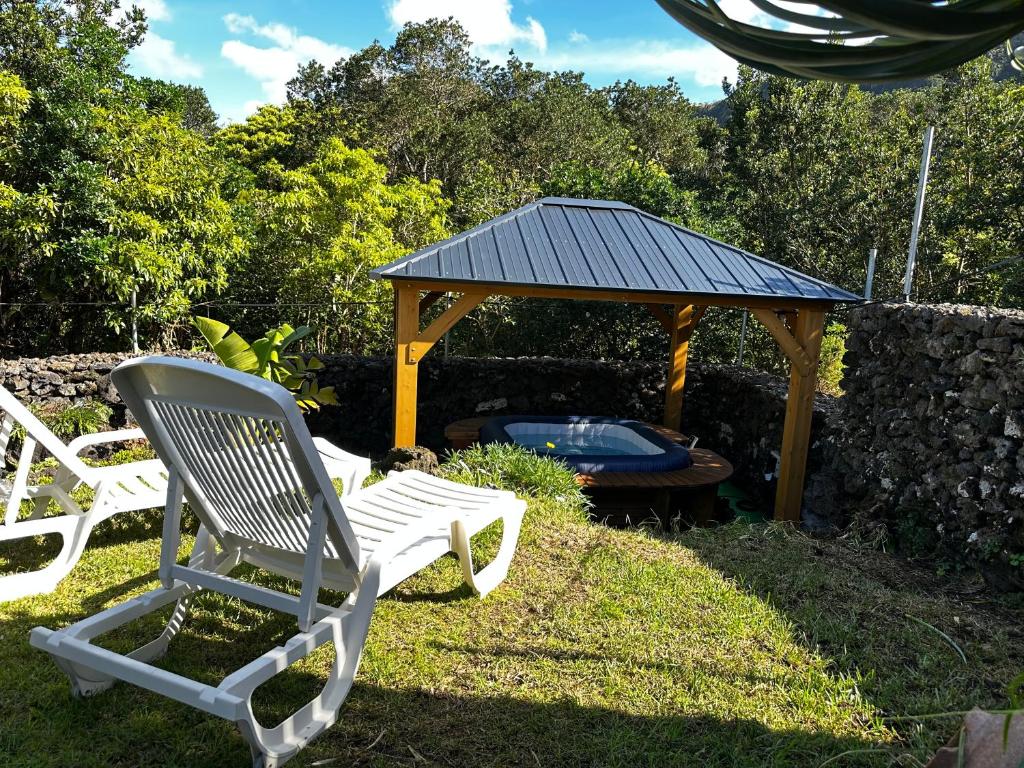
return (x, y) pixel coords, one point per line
(112, 184)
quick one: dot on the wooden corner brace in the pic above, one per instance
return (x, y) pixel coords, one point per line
(681, 320)
(428, 337)
(786, 341)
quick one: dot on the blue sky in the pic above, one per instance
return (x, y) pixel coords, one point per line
(244, 51)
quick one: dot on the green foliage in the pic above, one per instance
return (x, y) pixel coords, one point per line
(513, 468)
(317, 230)
(268, 134)
(187, 103)
(830, 367)
(67, 422)
(268, 358)
(103, 190)
(172, 236)
(647, 186)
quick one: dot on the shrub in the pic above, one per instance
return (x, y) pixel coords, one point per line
(268, 358)
(830, 369)
(515, 469)
(83, 418)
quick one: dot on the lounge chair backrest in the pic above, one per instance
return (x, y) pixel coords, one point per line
(248, 463)
(15, 413)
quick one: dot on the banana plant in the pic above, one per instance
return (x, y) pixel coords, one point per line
(267, 358)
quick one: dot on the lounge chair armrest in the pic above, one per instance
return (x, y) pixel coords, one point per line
(79, 444)
(341, 464)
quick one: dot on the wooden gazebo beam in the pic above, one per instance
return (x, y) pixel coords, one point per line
(808, 329)
(600, 294)
(799, 337)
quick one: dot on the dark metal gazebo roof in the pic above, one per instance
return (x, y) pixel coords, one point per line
(600, 245)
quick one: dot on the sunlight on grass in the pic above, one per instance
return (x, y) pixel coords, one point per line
(739, 646)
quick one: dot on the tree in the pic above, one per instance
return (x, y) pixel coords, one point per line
(417, 102)
(545, 120)
(316, 232)
(662, 126)
(795, 156)
(100, 196)
(189, 103)
(975, 208)
(171, 234)
(270, 134)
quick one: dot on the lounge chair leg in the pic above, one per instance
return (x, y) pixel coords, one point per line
(85, 682)
(273, 747)
(88, 682)
(495, 572)
(74, 531)
(202, 556)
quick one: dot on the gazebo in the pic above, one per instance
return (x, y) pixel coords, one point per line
(600, 250)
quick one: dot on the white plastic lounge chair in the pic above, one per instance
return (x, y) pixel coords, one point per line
(120, 488)
(238, 451)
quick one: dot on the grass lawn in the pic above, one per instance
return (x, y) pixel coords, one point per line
(738, 646)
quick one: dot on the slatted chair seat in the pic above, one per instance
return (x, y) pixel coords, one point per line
(237, 449)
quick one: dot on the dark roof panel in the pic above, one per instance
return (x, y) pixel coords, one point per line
(601, 245)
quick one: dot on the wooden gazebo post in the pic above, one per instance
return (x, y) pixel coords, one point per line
(683, 322)
(411, 345)
(803, 348)
(796, 432)
(407, 326)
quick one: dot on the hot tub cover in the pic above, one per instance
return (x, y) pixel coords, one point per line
(664, 457)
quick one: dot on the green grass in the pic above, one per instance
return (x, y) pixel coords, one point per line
(738, 646)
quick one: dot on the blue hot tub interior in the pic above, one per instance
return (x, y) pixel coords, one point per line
(590, 444)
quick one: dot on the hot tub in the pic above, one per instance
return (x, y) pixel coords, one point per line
(590, 444)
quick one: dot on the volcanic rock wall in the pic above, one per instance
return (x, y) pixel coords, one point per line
(928, 438)
(927, 441)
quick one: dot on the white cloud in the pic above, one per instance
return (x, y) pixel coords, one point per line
(155, 10)
(158, 57)
(488, 22)
(746, 12)
(273, 66)
(702, 63)
(578, 37)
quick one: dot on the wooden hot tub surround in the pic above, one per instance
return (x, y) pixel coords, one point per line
(695, 487)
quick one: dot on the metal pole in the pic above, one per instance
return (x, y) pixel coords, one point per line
(869, 283)
(743, 338)
(135, 326)
(915, 231)
(446, 334)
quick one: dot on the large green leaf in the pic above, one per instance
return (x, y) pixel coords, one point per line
(232, 350)
(265, 350)
(291, 335)
(265, 358)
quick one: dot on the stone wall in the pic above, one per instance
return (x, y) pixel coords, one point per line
(64, 379)
(928, 438)
(736, 412)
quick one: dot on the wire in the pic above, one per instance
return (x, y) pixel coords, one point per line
(127, 304)
(958, 278)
